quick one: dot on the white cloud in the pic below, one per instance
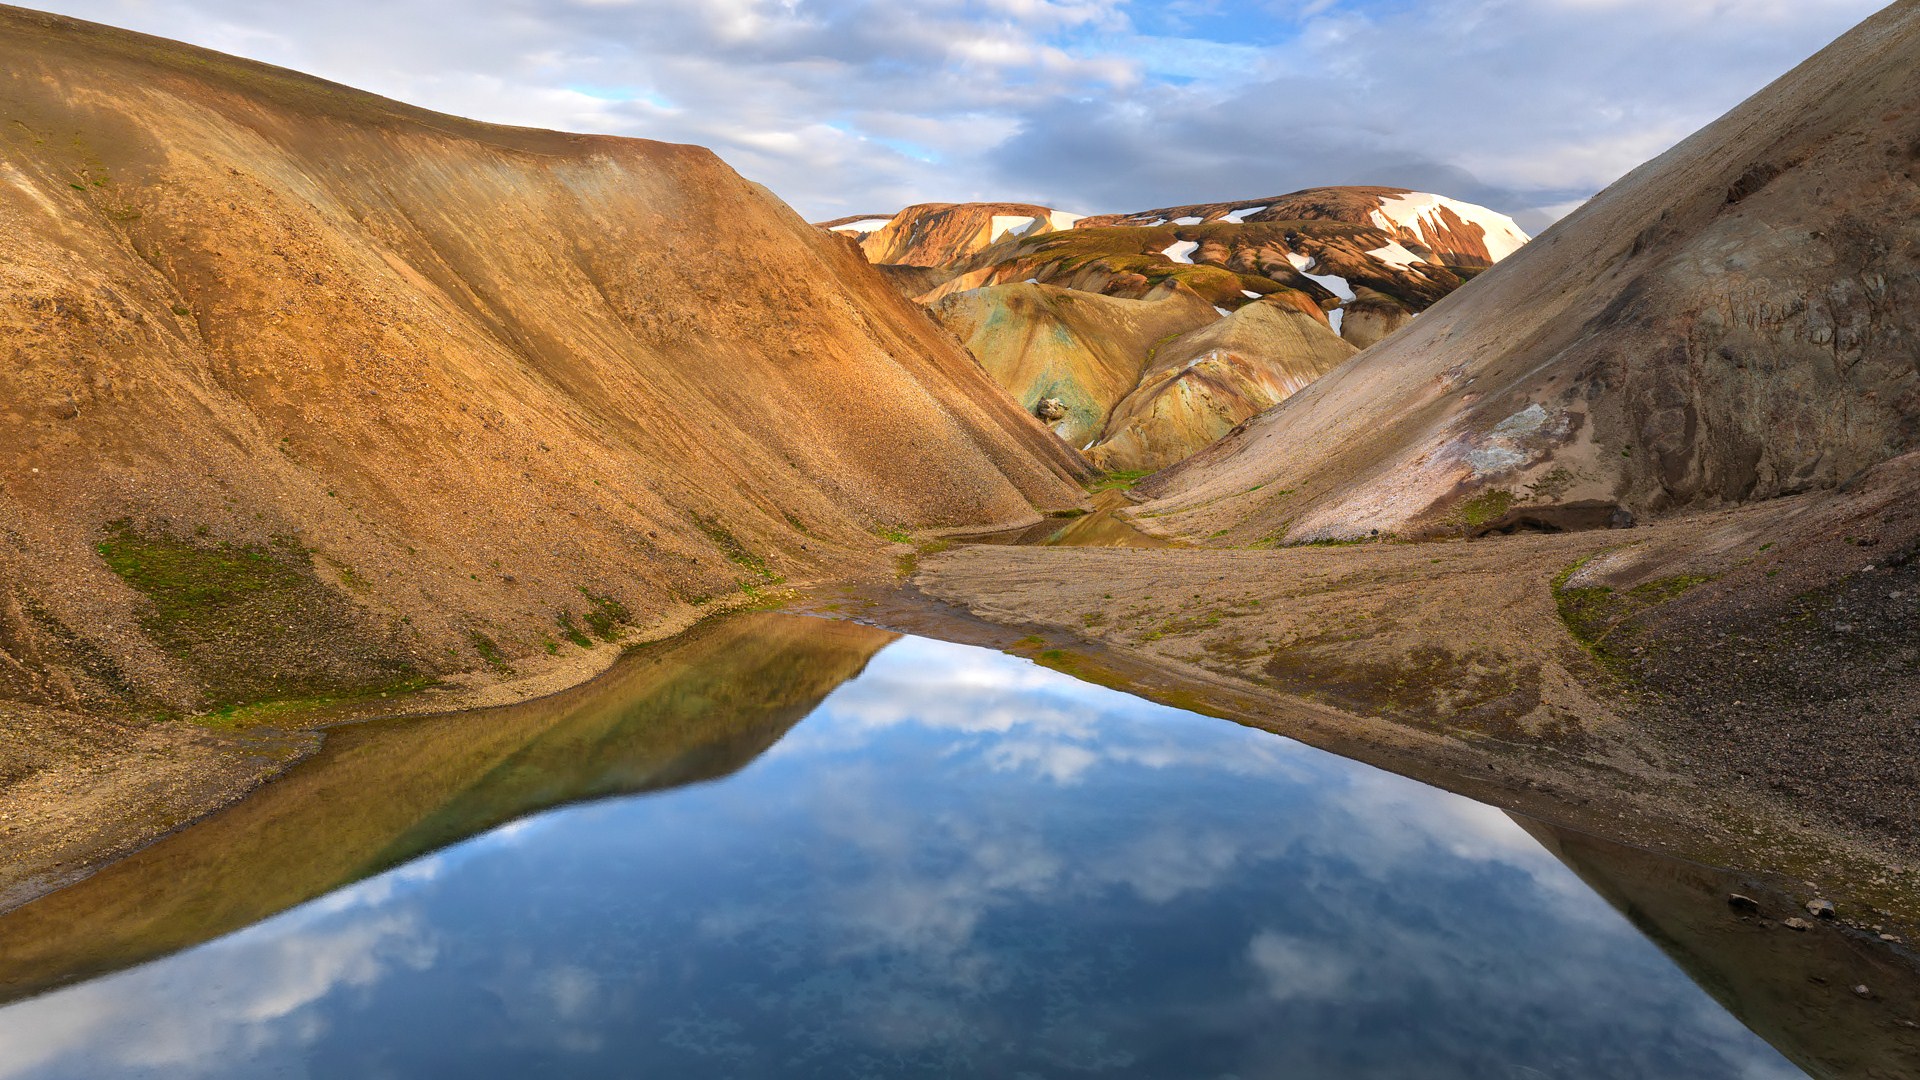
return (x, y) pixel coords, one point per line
(847, 106)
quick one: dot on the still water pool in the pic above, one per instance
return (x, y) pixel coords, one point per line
(794, 848)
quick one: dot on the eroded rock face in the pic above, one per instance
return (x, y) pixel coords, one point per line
(457, 387)
(1736, 320)
(1203, 383)
(944, 234)
(1378, 254)
(1068, 356)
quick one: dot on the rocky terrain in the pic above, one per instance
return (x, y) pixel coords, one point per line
(311, 397)
(1733, 321)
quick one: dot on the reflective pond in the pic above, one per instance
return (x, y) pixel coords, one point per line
(789, 847)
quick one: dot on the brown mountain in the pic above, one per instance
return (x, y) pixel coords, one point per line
(1384, 254)
(1359, 262)
(1733, 321)
(308, 393)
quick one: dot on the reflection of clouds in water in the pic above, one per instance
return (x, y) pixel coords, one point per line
(252, 997)
(1296, 969)
(962, 855)
(1040, 721)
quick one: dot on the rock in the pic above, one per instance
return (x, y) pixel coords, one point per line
(1820, 909)
(1051, 409)
(1796, 924)
(1861, 991)
(1744, 904)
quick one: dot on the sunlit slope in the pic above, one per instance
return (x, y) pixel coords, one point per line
(425, 390)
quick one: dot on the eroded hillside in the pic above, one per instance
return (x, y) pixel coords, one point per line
(1733, 321)
(308, 393)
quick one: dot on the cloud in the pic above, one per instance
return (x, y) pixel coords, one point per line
(852, 106)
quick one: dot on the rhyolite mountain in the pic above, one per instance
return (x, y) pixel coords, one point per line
(1297, 281)
(1736, 320)
(1386, 252)
(309, 393)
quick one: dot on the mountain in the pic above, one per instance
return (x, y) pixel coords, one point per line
(1733, 321)
(942, 234)
(1202, 384)
(309, 393)
(1068, 357)
(1389, 253)
(1358, 263)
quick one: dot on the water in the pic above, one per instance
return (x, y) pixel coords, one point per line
(955, 864)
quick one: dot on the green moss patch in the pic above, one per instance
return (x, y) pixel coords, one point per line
(1119, 481)
(1599, 617)
(251, 623)
(1487, 507)
(736, 552)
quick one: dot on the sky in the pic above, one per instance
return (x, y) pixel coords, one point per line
(1091, 106)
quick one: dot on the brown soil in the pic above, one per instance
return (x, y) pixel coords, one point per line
(304, 384)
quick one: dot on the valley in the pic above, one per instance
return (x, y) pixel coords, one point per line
(378, 484)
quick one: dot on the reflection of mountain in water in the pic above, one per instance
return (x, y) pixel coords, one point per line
(1793, 989)
(380, 794)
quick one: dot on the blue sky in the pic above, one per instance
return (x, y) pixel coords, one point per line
(856, 106)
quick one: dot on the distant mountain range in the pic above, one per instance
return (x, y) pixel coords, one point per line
(1326, 271)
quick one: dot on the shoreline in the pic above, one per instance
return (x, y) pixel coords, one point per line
(62, 824)
(1644, 810)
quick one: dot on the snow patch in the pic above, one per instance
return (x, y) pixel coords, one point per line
(1336, 317)
(1420, 214)
(1189, 220)
(864, 225)
(1395, 255)
(1223, 311)
(1239, 217)
(1333, 283)
(1018, 225)
(1061, 220)
(1249, 294)
(1181, 251)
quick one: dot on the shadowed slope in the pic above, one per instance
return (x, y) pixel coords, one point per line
(1732, 321)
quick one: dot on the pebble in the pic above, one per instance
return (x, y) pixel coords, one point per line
(1820, 909)
(1862, 991)
(1742, 903)
(1796, 924)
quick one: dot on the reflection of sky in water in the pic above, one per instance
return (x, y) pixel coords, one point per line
(960, 865)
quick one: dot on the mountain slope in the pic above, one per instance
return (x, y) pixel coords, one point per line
(1081, 352)
(1730, 322)
(1384, 254)
(309, 393)
(1204, 382)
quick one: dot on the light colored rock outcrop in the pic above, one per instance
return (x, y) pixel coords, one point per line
(1203, 383)
(1085, 350)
